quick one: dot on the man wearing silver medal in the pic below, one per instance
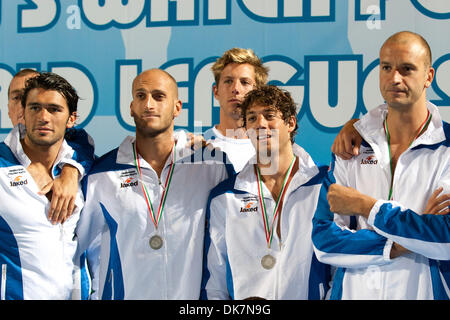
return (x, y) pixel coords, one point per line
(146, 200)
(391, 246)
(258, 240)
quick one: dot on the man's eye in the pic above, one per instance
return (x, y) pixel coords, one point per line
(158, 97)
(53, 109)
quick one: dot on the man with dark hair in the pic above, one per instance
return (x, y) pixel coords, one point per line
(64, 187)
(371, 220)
(36, 256)
(259, 221)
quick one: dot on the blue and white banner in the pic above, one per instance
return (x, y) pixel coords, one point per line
(325, 52)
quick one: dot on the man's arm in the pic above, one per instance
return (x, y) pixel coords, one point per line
(64, 187)
(64, 190)
(339, 245)
(427, 234)
(347, 142)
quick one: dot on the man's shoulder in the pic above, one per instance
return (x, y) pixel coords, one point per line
(224, 187)
(7, 158)
(108, 162)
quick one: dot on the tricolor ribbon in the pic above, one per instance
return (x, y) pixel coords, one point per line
(269, 229)
(155, 217)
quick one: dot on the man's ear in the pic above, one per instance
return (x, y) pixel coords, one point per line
(430, 77)
(215, 90)
(71, 121)
(177, 108)
(292, 121)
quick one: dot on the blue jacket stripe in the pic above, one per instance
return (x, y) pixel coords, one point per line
(319, 273)
(85, 283)
(7, 158)
(425, 227)
(438, 288)
(114, 265)
(336, 290)
(230, 285)
(207, 243)
(9, 256)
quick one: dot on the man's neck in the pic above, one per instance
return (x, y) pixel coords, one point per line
(44, 155)
(404, 125)
(231, 128)
(274, 173)
(155, 150)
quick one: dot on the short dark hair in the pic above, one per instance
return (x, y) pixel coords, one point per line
(54, 82)
(271, 96)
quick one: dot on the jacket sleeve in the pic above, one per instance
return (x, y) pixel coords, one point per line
(214, 282)
(427, 234)
(83, 150)
(337, 244)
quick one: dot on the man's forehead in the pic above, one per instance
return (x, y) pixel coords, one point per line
(239, 70)
(51, 96)
(258, 107)
(19, 82)
(153, 79)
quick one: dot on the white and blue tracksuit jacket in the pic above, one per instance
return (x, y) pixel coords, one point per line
(235, 239)
(361, 247)
(36, 256)
(116, 211)
(238, 151)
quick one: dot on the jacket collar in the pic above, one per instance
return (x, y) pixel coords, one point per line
(246, 179)
(371, 127)
(13, 142)
(125, 153)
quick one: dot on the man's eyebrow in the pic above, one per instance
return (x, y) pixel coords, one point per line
(158, 91)
(45, 104)
(16, 91)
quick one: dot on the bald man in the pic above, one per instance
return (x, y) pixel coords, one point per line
(370, 219)
(146, 200)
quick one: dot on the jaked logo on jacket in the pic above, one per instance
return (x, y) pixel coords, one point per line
(248, 207)
(18, 181)
(129, 183)
(369, 160)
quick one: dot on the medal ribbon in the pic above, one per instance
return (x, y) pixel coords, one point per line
(155, 218)
(388, 137)
(269, 229)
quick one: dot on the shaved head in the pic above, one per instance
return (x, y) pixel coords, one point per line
(411, 38)
(157, 73)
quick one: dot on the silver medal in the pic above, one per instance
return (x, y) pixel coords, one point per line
(268, 261)
(156, 242)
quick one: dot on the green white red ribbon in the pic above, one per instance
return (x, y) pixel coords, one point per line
(155, 217)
